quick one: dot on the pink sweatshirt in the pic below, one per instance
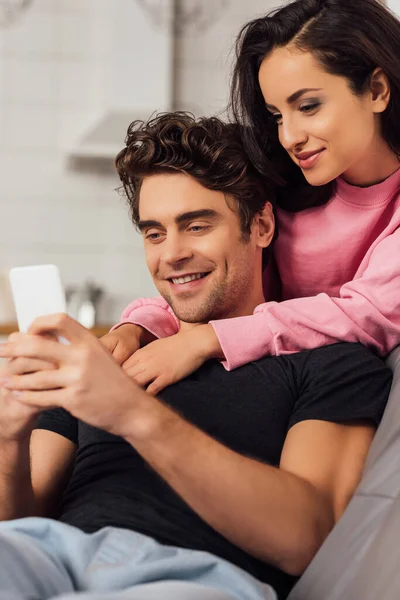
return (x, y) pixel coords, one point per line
(339, 266)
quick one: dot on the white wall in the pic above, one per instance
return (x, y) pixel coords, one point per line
(53, 65)
(205, 59)
(394, 5)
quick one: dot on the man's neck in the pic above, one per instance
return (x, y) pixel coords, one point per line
(183, 326)
(244, 312)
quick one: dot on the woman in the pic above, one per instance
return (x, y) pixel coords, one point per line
(317, 87)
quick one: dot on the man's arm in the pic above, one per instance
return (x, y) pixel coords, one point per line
(16, 493)
(281, 516)
(33, 466)
(52, 460)
(33, 474)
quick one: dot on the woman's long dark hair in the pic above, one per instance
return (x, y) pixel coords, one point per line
(350, 38)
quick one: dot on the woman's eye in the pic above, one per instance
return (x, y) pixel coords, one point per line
(309, 108)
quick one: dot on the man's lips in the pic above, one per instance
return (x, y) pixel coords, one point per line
(188, 276)
(187, 281)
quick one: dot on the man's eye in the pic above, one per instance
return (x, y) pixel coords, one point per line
(197, 228)
(153, 237)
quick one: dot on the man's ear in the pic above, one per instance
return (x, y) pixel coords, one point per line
(380, 91)
(264, 226)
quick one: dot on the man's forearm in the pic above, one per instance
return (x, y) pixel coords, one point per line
(270, 513)
(16, 493)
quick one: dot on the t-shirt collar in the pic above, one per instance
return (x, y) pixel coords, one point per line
(373, 195)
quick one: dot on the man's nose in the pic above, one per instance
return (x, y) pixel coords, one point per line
(292, 136)
(176, 250)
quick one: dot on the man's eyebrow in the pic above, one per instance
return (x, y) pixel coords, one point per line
(142, 225)
(196, 214)
(294, 97)
(182, 218)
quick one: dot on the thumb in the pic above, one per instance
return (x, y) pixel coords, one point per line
(121, 353)
(109, 342)
(113, 345)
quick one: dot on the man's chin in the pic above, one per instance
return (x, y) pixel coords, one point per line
(192, 307)
(192, 315)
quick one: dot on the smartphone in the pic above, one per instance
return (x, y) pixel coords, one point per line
(37, 290)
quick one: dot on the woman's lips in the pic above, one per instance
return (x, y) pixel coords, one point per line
(310, 161)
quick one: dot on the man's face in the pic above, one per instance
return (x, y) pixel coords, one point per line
(195, 250)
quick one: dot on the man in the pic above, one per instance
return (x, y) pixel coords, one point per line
(227, 479)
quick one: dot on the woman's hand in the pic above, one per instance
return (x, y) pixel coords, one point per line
(168, 360)
(124, 341)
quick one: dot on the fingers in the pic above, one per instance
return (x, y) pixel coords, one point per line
(15, 336)
(18, 366)
(121, 353)
(156, 386)
(40, 380)
(60, 324)
(42, 400)
(14, 397)
(143, 378)
(34, 346)
(132, 364)
(141, 372)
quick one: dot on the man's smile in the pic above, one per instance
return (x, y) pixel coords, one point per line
(186, 278)
(187, 282)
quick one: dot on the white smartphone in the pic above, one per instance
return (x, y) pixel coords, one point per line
(37, 291)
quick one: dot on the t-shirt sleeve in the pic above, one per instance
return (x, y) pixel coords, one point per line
(60, 421)
(342, 383)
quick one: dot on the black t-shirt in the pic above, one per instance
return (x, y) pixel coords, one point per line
(250, 410)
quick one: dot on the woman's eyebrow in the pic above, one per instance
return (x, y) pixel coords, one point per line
(300, 93)
(294, 97)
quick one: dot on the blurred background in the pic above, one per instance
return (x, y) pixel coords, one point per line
(73, 75)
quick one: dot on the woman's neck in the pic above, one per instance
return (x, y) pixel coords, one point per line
(379, 164)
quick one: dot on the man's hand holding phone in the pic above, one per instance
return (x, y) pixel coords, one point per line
(86, 381)
(37, 290)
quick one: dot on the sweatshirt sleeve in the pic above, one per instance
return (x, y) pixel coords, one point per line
(153, 314)
(366, 311)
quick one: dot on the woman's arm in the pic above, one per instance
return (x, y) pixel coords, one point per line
(366, 311)
(153, 314)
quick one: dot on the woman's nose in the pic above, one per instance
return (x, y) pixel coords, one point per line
(291, 136)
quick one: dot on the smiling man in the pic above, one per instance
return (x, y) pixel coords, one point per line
(202, 259)
(226, 485)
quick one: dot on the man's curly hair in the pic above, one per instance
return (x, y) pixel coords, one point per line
(207, 149)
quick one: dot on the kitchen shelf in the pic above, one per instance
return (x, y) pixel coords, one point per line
(7, 328)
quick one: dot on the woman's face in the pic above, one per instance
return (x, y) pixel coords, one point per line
(326, 129)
